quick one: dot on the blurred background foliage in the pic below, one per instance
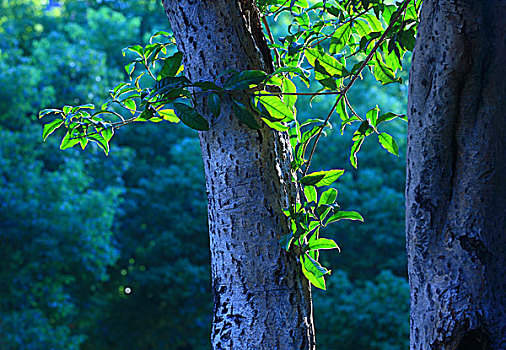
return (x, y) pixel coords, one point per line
(112, 252)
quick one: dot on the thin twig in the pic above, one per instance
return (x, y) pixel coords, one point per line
(351, 108)
(357, 74)
(268, 29)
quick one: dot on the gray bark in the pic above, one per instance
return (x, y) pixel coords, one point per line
(456, 188)
(261, 299)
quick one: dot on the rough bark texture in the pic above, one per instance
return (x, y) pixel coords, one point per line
(261, 299)
(456, 188)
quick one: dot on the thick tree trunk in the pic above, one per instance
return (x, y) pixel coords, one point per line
(262, 301)
(456, 188)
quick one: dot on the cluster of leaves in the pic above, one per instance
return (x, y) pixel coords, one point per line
(309, 216)
(331, 42)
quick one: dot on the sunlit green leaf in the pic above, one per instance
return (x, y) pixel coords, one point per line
(68, 142)
(354, 150)
(276, 108)
(322, 178)
(168, 115)
(340, 38)
(48, 111)
(318, 282)
(314, 266)
(275, 125)
(388, 143)
(51, 127)
(328, 62)
(344, 215)
(100, 141)
(372, 116)
(322, 243)
(310, 193)
(328, 197)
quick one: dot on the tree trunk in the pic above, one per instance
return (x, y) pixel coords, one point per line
(456, 188)
(261, 299)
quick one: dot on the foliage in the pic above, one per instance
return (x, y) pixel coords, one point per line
(375, 34)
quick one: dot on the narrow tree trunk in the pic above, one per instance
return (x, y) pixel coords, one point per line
(456, 177)
(262, 301)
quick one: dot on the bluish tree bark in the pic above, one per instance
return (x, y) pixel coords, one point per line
(456, 188)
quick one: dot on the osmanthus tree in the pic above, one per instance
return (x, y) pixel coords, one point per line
(236, 84)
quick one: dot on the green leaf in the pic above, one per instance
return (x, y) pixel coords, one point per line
(344, 215)
(51, 127)
(340, 38)
(286, 241)
(275, 125)
(294, 133)
(207, 85)
(67, 142)
(159, 33)
(130, 104)
(67, 109)
(135, 48)
(362, 27)
(354, 150)
(130, 68)
(323, 243)
(100, 141)
(168, 115)
(108, 133)
(171, 66)
(328, 197)
(389, 116)
(373, 22)
(245, 116)
(276, 108)
(322, 178)
(328, 62)
(190, 117)
(341, 110)
(168, 83)
(86, 106)
(289, 87)
(242, 80)
(311, 179)
(372, 116)
(214, 104)
(314, 266)
(310, 193)
(296, 70)
(48, 111)
(407, 39)
(382, 72)
(318, 282)
(388, 143)
(83, 141)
